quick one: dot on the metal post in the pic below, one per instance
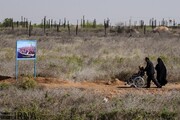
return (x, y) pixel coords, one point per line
(16, 69)
(16, 62)
(35, 68)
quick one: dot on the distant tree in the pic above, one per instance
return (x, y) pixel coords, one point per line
(94, 23)
(7, 22)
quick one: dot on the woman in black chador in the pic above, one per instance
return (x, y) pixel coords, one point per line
(161, 72)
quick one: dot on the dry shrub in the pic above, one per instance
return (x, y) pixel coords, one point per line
(26, 83)
(4, 86)
(75, 103)
(91, 55)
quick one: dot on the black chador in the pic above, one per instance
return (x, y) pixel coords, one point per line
(161, 72)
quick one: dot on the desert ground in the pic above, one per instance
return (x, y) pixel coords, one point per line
(83, 76)
(108, 89)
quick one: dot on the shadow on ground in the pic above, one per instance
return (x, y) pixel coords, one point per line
(4, 77)
(124, 87)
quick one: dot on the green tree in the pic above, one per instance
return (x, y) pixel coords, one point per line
(7, 22)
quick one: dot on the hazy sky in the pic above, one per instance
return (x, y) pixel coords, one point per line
(73, 10)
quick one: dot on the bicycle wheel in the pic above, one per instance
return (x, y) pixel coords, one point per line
(139, 82)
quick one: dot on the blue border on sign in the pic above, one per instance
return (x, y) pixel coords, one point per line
(23, 49)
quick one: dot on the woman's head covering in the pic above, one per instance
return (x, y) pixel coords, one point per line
(146, 59)
(159, 60)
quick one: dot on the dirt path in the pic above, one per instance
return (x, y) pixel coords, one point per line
(109, 89)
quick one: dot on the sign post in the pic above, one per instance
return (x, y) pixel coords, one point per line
(26, 50)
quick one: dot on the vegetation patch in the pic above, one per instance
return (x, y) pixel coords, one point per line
(27, 83)
(4, 86)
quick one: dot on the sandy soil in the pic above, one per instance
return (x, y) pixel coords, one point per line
(109, 89)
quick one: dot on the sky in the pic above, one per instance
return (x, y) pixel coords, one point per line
(116, 10)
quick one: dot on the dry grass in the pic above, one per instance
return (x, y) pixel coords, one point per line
(74, 103)
(91, 56)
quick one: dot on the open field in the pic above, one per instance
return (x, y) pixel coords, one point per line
(90, 55)
(73, 72)
(57, 99)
